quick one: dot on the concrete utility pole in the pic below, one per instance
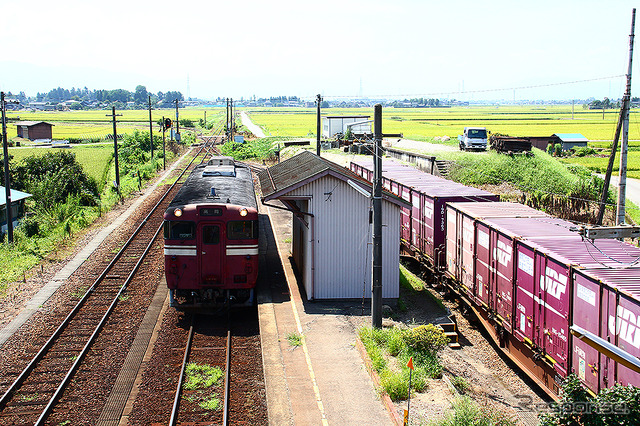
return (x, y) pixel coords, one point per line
(626, 99)
(115, 146)
(318, 130)
(376, 276)
(227, 122)
(150, 128)
(231, 122)
(624, 149)
(7, 182)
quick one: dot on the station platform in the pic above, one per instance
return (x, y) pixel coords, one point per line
(323, 380)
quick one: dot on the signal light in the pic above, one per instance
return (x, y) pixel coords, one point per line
(167, 123)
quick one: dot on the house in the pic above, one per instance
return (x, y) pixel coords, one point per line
(331, 125)
(33, 130)
(569, 140)
(331, 232)
(17, 207)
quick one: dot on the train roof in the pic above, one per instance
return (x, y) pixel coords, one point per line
(426, 183)
(230, 188)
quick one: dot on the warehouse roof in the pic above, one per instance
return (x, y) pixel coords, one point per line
(15, 196)
(571, 137)
(31, 123)
(304, 168)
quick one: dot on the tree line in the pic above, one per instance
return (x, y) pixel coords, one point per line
(140, 96)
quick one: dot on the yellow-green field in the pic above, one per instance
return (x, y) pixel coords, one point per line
(94, 159)
(97, 123)
(421, 123)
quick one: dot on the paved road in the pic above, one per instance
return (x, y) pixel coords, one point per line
(255, 129)
(633, 188)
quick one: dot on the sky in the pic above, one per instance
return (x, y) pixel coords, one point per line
(456, 49)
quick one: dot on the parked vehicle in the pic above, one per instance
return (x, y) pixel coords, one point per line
(474, 138)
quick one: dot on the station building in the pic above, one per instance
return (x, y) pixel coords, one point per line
(332, 233)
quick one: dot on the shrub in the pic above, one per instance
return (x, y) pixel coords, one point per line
(584, 150)
(468, 413)
(428, 339)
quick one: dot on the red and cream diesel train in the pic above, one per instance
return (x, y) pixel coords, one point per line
(555, 302)
(211, 238)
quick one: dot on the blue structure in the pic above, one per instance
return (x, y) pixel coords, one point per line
(17, 207)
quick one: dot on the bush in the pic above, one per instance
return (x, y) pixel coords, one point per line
(584, 150)
(468, 413)
(428, 339)
(53, 177)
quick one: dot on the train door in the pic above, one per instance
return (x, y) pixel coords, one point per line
(502, 262)
(526, 318)
(482, 270)
(210, 251)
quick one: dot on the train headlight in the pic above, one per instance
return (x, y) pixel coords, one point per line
(244, 212)
(177, 212)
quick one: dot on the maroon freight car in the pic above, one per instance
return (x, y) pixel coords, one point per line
(520, 274)
(423, 233)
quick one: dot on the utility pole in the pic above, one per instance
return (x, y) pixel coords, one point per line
(177, 122)
(626, 99)
(115, 146)
(376, 276)
(318, 102)
(624, 149)
(164, 152)
(150, 129)
(227, 122)
(7, 183)
(231, 129)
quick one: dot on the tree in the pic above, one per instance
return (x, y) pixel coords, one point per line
(141, 96)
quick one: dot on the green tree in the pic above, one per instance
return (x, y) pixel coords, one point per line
(141, 96)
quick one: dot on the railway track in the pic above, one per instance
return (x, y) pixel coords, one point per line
(225, 348)
(30, 394)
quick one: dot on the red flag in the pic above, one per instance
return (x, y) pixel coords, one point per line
(410, 363)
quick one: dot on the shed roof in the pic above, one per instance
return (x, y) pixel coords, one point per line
(306, 167)
(15, 196)
(31, 123)
(571, 137)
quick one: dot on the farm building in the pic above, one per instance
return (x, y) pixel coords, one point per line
(331, 125)
(17, 207)
(33, 130)
(569, 140)
(331, 230)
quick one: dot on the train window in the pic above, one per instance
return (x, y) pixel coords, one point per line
(242, 229)
(179, 230)
(211, 212)
(211, 234)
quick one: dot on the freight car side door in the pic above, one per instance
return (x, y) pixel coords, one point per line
(210, 250)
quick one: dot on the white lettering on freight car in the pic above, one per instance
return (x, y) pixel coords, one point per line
(428, 209)
(502, 253)
(626, 326)
(553, 283)
(525, 263)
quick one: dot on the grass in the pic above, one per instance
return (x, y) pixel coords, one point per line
(199, 378)
(389, 350)
(294, 339)
(413, 283)
(468, 413)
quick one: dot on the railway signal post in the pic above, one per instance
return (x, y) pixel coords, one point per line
(318, 101)
(150, 129)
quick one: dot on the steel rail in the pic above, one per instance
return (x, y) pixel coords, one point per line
(176, 401)
(227, 382)
(30, 367)
(95, 333)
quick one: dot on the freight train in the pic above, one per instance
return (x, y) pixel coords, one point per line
(211, 238)
(555, 302)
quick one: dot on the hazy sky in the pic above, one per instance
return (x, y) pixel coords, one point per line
(406, 48)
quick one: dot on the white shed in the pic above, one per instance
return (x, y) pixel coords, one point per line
(338, 124)
(331, 231)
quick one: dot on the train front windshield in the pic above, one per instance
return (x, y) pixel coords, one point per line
(242, 229)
